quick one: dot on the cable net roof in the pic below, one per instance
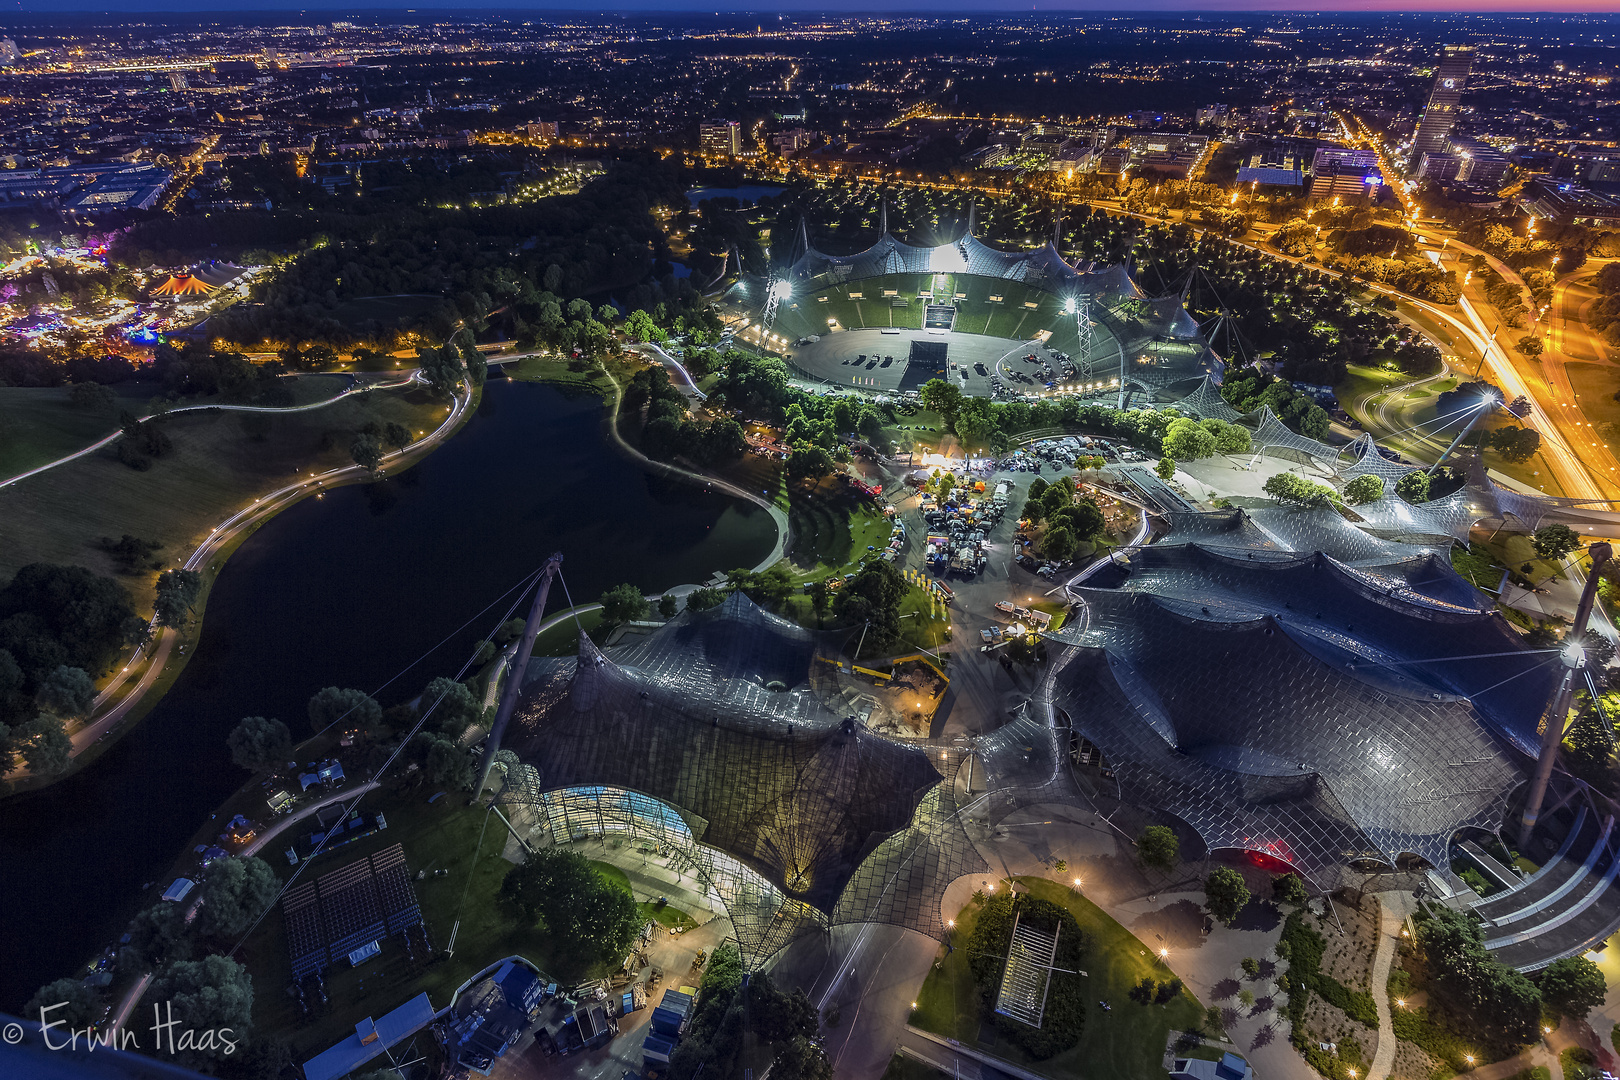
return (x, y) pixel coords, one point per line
(1225, 693)
(1205, 402)
(1272, 434)
(1399, 624)
(1043, 267)
(1369, 462)
(1394, 517)
(773, 777)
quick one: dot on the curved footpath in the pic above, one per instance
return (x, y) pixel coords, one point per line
(149, 661)
(661, 468)
(108, 440)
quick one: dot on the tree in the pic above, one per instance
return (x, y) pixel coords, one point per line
(1531, 346)
(807, 461)
(1158, 848)
(367, 452)
(704, 599)
(1413, 487)
(1229, 438)
(623, 603)
(1287, 487)
(235, 892)
(128, 552)
(1364, 489)
(1553, 542)
(1225, 894)
(1059, 543)
(1574, 986)
(1166, 468)
(1187, 440)
(456, 708)
(397, 435)
(1515, 443)
(92, 397)
(872, 599)
(668, 606)
(443, 760)
(1289, 888)
(214, 994)
(332, 705)
(257, 743)
(157, 935)
(1251, 967)
(942, 397)
(800, 1059)
(177, 593)
(52, 615)
(77, 1005)
(590, 922)
(44, 745)
(67, 691)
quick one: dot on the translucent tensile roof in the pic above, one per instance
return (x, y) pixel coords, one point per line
(1403, 616)
(763, 773)
(1223, 694)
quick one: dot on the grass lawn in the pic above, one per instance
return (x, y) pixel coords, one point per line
(1127, 1042)
(39, 425)
(668, 916)
(215, 468)
(1595, 385)
(449, 835)
(563, 639)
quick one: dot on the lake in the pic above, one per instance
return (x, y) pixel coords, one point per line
(348, 590)
(750, 193)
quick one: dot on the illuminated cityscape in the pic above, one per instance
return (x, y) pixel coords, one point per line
(1093, 537)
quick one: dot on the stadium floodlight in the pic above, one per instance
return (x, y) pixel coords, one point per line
(1069, 306)
(779, 290)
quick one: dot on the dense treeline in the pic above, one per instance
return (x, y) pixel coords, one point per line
(462, 264)
(59, 627)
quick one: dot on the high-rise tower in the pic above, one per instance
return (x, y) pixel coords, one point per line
(1441, 112)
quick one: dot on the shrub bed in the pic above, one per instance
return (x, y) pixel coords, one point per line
(1065, 1014)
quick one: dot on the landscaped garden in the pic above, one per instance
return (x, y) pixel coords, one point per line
(1126, 1040)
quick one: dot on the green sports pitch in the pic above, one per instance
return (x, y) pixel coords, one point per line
(991, 307)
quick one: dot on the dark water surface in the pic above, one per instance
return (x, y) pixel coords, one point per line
(345, 591)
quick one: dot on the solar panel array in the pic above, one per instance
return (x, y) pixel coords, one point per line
(364, 901)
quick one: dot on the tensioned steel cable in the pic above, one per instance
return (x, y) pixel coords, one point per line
(375, 778)
(522, 586)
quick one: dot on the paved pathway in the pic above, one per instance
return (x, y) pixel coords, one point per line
(1389, 932)
(147, 664)
(690, 476)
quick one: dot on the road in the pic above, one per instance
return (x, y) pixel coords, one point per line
(117, 699)
(133, 995)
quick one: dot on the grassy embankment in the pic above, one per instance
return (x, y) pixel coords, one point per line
(39, 425)
(214, 469)
(1126, 1042)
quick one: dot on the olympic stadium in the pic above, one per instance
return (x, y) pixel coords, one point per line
(895, 315)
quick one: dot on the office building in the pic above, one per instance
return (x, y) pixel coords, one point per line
(1441, 112)
(1343, 172)
(721, 138)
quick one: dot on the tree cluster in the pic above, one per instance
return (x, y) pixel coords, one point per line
(59, 626)
(589, 921)
(670, 433)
